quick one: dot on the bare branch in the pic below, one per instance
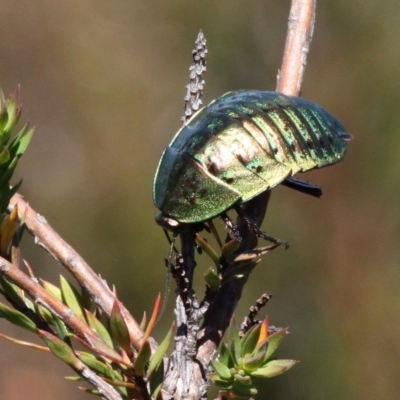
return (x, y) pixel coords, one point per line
(46, 300)
(103, 387)
(299, 35)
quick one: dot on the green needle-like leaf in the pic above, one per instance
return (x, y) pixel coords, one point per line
(13, 109)
(235, 351)
(100, 367)
(142, 358)
(143, 322)
(251, 363)
(17, 318)
(208, 250)
(93, 392)
(229, 248)
(62, 330)
(225, 355)
(98, 327)
(4, 156)
(98, 346)
(221, 382)
(274, 368)
(71, 298)
(274, 341)
(234, 334)
(20, 143)
(250, 340)
(212, 279)
(242, 390)
(52, 289)
(60, 349)
(160, 352)
(12, 292)
(156, 380)
(222, 370)
(119, 329)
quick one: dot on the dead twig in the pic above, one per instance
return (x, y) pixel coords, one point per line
(298, 39)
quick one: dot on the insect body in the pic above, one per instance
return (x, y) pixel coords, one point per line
(238, 146)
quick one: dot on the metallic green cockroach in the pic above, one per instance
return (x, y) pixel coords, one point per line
(240, 145)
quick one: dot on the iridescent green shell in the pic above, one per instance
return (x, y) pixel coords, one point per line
(240, 145)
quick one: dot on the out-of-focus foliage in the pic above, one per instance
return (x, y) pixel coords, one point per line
(11, 148)
(104, 84)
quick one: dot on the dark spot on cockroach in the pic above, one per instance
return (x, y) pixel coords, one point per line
(310, 144)
(275, 150)
(203, 192)
(322, 143)
(212, 169)
(293, 146)
(193, 200)
(255, 167)
(228, 180)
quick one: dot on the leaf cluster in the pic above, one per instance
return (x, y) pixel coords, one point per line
(245, 360)
(110, 355)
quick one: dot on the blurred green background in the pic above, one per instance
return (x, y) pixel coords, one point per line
(103, 82)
